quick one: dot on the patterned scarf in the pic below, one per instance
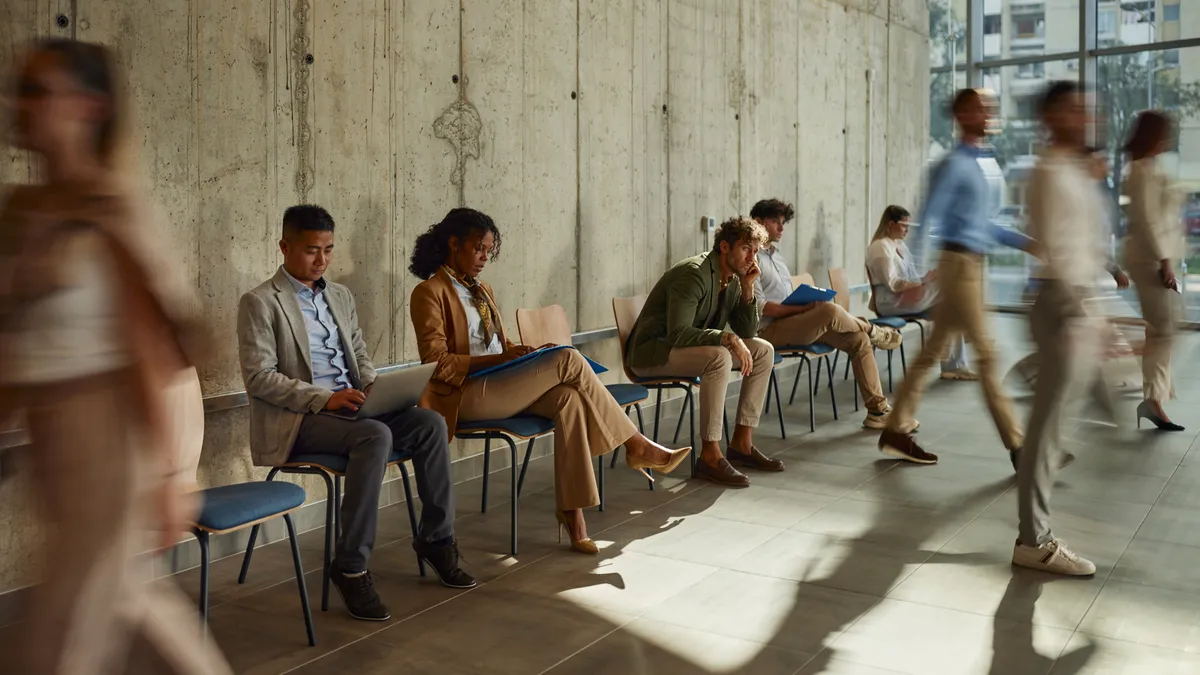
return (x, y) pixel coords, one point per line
(489, 315)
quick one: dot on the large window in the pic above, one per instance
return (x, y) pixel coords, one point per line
(1138, 54)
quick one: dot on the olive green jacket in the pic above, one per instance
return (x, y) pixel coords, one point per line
(678, 310)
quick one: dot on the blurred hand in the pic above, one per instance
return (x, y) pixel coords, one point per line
(929, 277)
(175, 506)
(346, 399)
(1167, 274)
(1122, 279)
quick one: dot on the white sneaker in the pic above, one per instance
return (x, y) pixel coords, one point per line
(1053, 557)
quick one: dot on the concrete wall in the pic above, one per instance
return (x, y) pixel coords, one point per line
(596, 133)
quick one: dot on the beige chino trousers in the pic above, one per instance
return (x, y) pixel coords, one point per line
(714, 367)
(1160, 309)
(828, 323)
(588, 422)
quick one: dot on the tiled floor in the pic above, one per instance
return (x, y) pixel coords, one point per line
(846, 564)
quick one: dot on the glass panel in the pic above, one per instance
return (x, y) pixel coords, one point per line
(1015, 28)
(1144, 22)
(1166, 80)
(943, 86)
(947, 32)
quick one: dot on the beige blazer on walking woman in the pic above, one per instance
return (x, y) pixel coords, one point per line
(1155, 225)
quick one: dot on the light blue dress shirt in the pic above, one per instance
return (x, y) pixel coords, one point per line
(959, 204)
(328, 359)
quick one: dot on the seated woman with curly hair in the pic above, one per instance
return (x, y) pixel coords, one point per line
(459, 328)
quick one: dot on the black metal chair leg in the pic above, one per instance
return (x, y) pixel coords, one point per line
(412, 513)
(691, 404)
(856, 394)
(512, 448)
(796, 382)
(524, 466)
(903, 364)
(253, 538)
(724, 423)
(637, 407)
(337, 508)
(308, 621)
(832, 397)
(812, 408)
(849, 362)
(817, 387)
(678, 427)
(600, 479)
(202, 540)
(889, 371)
(487, 469)
(657, 415)
(774, 384)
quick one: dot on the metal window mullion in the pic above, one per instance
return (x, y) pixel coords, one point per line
(1169, 45)
(1023, 60)
(974, 42)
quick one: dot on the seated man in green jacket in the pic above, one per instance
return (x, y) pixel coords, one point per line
(681, 332)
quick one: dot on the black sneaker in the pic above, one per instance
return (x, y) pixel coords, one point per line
(905, 447)
(444, 558)
(358, 594)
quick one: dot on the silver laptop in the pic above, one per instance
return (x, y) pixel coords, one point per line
(392, 391)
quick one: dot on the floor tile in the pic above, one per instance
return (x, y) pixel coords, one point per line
(762, 505)
(1089, 655)
(779, 612)
(824, 664)
(692, 538)
(922, 640)
(846, 564)
(509, 633)
(1156, 563)
(627, 582)
(1158, 617)
(899, 527)
(996, 588)
(657, 648)
(1172, 524)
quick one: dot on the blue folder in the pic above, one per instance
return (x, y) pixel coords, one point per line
(805, 294)
(518, 362)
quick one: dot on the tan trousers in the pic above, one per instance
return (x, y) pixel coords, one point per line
(829, 324)
(96, 612)
(959, 312)
(714, 367)
(588, 422)
(1160, 309)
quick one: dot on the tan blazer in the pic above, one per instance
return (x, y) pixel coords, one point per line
(1155, 225)
(277, 367)
(443, 338)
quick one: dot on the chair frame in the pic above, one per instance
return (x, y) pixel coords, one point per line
(333, 525)
(203, 534)
(487, 435)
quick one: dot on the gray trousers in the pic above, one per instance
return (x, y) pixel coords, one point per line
(416, 433)
(1066, 366)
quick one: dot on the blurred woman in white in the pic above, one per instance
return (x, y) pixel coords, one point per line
(899, 289)
(1154, 241)
(94, 342)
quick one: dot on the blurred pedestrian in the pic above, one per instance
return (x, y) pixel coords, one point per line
(95, 337)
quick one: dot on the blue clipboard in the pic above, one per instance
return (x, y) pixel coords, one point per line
(518, 362)
(805, 294)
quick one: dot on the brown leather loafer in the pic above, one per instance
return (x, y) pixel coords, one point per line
(722, 474)
(754, 460)
(903, 446)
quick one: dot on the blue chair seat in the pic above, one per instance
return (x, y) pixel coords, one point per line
(628, 394)
(897, 322)
(338, 463)
(521, 426)
(232, 506)
(817, 349)
(667, 378)
(778, 358)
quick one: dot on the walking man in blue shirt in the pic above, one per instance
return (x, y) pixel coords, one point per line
(958, 206)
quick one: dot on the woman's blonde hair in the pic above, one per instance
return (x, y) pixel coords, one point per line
(892, 214)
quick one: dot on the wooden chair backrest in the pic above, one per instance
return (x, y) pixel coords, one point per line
(543, 326)
(839, 285)
(871, 302)
(625, 312)
(805, 278)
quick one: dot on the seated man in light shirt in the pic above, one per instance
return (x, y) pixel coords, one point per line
(302, 352)
(819, 322)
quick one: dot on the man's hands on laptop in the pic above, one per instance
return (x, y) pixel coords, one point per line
(346, 399)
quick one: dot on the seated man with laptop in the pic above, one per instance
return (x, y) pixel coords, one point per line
(314, 391)
(816, 322)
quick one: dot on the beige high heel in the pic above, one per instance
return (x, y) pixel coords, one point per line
(585, 545)
(645, 466)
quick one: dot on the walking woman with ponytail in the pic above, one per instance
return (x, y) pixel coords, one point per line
(95, 332)
(459, 328)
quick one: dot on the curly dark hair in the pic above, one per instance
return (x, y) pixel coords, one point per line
(773, 208)
(430, 250)
(740, 228)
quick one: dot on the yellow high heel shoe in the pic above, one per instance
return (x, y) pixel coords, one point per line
(645, 466)
(585, 545)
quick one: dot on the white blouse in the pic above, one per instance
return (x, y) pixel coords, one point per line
(892, 270)
(475, 324)
(1155, 222)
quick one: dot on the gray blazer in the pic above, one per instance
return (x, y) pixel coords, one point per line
(277, 367)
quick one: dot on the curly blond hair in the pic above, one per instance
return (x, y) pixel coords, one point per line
(738, 229)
